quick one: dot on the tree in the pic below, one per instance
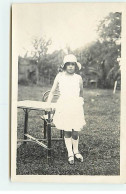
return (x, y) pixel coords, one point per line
(109, 28)
(40, 46)
(109, 31)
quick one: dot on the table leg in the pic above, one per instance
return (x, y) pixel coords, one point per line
(45, 125)
(61, 133)
(25, 124)
(49, 136)
(63, 139)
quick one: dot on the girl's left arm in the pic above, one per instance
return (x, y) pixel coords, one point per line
(81, 87)
(81, 91)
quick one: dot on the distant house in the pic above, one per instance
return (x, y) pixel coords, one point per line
(26, 70)
(93, 83)
(91, 74)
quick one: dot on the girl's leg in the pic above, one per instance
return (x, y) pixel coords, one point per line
(68, 143)
(75, 142)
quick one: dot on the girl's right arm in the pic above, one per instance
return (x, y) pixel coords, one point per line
(55, 84)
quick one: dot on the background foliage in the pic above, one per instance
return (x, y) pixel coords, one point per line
(98, 59)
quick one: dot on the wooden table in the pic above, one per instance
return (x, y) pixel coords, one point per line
(46, 109)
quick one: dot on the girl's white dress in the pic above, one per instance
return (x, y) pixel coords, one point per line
(69, 112)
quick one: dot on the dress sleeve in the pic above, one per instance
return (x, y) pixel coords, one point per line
(57, 78)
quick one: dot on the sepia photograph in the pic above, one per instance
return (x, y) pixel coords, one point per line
(66, 89)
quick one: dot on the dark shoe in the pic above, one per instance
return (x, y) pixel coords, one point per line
(79, 157)
(71, 160)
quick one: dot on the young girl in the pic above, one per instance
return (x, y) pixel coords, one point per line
(69, 114)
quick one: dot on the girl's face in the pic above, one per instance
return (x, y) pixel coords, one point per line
(70, 68)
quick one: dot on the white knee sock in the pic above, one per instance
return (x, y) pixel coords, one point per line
(75, 145)
(68, 142)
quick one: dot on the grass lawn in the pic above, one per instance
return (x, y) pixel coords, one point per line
(99, 140)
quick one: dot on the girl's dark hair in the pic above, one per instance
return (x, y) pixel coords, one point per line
(76, 67)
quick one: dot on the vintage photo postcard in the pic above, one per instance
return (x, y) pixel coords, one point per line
(68, 107)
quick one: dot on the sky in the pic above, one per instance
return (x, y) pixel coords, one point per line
(67, 24)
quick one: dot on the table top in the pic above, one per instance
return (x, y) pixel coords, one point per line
(36, 105)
